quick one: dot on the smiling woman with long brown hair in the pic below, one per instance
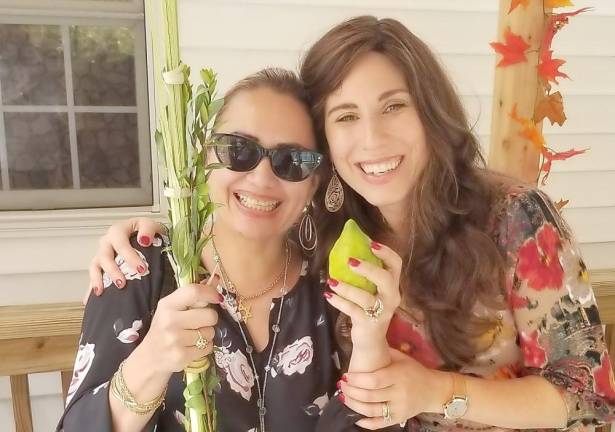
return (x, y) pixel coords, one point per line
(494, 321)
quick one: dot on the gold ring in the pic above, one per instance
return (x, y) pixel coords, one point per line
(376, 310)
(386, 412)
(201, 343)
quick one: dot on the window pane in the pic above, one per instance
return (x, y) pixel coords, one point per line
(32, 65)
(108, 150)
(103, 65)
(38, 150)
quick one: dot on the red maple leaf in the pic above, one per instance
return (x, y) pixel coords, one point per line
(513, 51)
(548, 69)
(515, 3)
(550, 156)
(555, 23)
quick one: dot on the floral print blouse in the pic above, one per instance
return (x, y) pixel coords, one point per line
(301, 379)
(550, 326)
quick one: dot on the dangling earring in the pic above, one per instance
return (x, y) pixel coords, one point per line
(308, 237)
(334, 197)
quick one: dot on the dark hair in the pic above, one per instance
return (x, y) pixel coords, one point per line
(280, 80)
(452, 262)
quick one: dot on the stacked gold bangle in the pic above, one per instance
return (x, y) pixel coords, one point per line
(120, 391)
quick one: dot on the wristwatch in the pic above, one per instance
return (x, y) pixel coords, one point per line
(457, 406)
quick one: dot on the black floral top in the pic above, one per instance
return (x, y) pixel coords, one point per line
(301, 379)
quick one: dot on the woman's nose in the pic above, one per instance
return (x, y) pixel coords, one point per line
(263, 173)
(372, 134)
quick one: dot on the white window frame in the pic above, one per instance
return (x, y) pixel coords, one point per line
(67, 12)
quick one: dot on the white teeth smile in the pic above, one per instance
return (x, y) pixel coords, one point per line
(380, 168)
(256, 204)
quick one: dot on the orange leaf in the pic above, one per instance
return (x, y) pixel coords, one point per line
(513, 51)
(561, 204)
(548, 69)
(551, 107)
(529, 130)
(515, 3)
(557, 3)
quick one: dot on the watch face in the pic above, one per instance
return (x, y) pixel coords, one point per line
(456, 408)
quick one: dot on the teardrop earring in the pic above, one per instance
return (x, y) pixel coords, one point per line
(308, 237)
(334, 197)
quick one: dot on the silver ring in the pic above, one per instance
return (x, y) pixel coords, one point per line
(376, 310)
(201, 343)
(386, 412)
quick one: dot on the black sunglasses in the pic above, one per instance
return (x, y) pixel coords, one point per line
(243, 154)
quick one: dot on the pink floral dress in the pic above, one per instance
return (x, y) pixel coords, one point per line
(550, 326)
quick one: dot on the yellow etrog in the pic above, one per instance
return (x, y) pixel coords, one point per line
(352, 242)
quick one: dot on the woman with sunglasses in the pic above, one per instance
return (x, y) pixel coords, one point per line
(495, 325)
(266, 316)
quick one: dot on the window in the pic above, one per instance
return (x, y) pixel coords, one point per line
(74, 115)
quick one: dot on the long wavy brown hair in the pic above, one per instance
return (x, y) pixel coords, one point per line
(450, 261)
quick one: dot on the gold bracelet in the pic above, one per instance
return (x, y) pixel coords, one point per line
(120, 391)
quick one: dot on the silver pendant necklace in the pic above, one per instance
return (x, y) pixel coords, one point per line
(275, 328)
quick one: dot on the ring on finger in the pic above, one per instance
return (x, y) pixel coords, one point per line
(376, 310)
(201, 342)
(386, 412)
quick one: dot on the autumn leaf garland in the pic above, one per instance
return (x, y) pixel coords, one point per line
(513, 51)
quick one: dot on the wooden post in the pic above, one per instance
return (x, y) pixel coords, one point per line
(66, 377)
(20, 393)
(517, 84)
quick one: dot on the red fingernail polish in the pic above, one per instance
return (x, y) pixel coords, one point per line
(341, 397)
(221, 298)
(344, 378)
(140, 269)
(332, 282)
(353, 262)
(327, 294)
(338, 385)
(144, 240)
(119, 283)
(376, 246)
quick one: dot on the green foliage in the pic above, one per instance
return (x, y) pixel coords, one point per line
(185, 120)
